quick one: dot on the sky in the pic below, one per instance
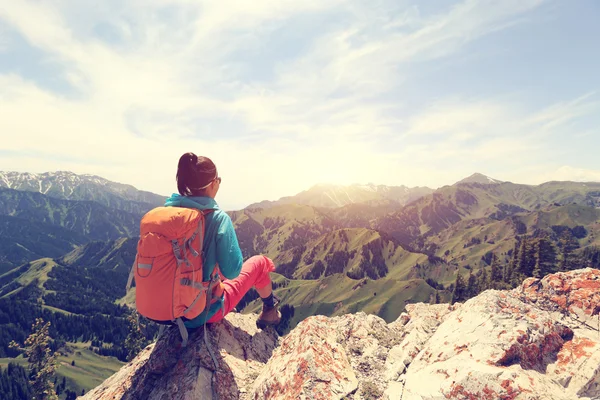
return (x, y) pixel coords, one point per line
(283, 95)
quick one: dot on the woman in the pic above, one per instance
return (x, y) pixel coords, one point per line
(198, 183)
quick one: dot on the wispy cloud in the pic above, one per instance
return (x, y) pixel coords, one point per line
(566, 112)
(4, 40)
(281, 94)
(462, 120)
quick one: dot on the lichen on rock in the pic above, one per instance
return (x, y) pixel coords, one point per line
(540, 338)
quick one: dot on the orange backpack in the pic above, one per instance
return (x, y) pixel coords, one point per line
(168, 267)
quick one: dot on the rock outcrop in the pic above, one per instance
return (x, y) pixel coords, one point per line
(538, 341)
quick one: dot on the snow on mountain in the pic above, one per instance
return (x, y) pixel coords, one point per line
(479, 178)
(70, 186)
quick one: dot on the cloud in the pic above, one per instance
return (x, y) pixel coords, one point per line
(4, 40)
(153, 79)
(462, 119)
(565, 112)
(368, 53)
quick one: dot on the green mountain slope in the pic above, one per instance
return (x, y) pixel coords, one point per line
(361, 215)
(357, 252)
(114, 255)
(23, 240)
(452, 204)
(88, 280)
(338, 295)
(89, 371)
(272, 230)
(79, 294)
(86, 218)
(470, 242)
(569, 215)
(457, 228)
(32, 273)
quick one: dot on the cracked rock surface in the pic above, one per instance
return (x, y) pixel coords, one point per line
(538, 341)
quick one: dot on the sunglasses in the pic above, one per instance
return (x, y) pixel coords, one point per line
(218, 179)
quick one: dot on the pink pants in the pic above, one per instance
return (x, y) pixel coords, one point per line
(254, 273)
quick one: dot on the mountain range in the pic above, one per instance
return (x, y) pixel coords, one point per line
(331, 196)
(69, 186)
(338, 249)
(307, 235)
(24, 215)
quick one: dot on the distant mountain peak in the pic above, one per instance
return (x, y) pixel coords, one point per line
(335, 195)
(71, 186)
(324, 185)
(479, 178)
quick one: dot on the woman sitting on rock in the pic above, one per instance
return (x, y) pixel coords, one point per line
(198, 183)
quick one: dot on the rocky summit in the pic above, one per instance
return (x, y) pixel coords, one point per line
(538, 341)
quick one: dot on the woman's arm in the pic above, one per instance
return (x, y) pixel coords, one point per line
(229, 255)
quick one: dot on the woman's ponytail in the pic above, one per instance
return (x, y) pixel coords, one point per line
(194, 173)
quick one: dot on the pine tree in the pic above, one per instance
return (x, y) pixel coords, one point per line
(287, 313)
(568, 244)
(511, 267)
(496, 272)
(548, 255)
(526, 257)
(71, 395)
(42, 361)
(483, 283)
(537, 270)
(472, 288)
(135, 341)
(591, 255)
(545, 258)
(459, 289)
(14, 384)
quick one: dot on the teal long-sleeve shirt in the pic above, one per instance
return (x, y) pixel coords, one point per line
(220, 246)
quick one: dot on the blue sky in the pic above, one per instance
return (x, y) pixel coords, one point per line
(286, 94)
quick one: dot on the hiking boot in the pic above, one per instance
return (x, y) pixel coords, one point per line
(269, 316)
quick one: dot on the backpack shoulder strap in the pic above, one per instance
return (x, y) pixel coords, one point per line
(207, 211)
(182, 331)
(131, 275)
